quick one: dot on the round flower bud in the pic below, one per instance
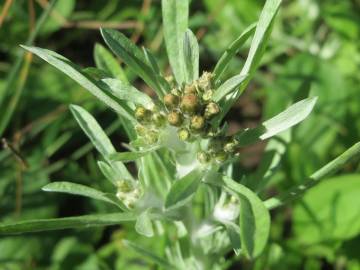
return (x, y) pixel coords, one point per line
(189, 103)
(204, 81)
(140, 130)
(142, 114)
(175, 118)
(183, 134)
(197, 122)
(203, 157)
(211, 110)
(207, 96)
(171, 101)
(190, 89)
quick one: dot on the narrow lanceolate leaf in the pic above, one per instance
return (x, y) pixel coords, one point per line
(107, 62)
(191, 55)
(257, 49)
(74, 72)
(229, 86)
(281, 122)
(145, 253)
(86, 221)
(109, 173)
(127, 92)
(262, 32)
(231, 51)
(254, 219)
(98, 137)
(133, 57)
(183, 189)
(175, 22)
(315, 178)
(130, 156)
(143, 224)
(81, 190)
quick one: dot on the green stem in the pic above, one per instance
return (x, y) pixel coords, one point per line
(315, 178)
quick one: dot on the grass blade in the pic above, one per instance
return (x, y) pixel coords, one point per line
(81, 190)
(191, 56)
(175, 22)
(85, 221)
(231, 51)
(315, 178)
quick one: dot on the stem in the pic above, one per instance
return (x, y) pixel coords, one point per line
(315, 178)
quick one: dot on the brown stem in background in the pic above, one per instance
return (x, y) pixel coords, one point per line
(5, 11)
(139, 30)
(87, 24)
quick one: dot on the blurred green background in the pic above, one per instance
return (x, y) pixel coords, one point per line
(315, 46)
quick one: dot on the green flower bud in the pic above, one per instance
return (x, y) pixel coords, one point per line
(175, 118)
(183, 134)
(142, 114)
(211, 110)
(207, 96)
(158, 119)
(190, 89)
(203, 157)
(204, 81)
(230, 146)
(171, 101)
(189, 103)
(197, 122)
(140, 130)
(152, 137)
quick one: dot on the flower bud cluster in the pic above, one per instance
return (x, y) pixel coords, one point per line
(219, 150)
(128, 193)
(149, 122)
(190, 108)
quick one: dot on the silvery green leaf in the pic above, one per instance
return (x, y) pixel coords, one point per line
(131, 156)
(85, 221)
(144, 225)
(261, 36)
(98, 137)
(74, 72)
(127, 92)
(254, 219)
(228, 86)
(257, 49)
(106, 61)
(279, 123)
(109, 173)
(133, 57)
(146, 253)
(231, 51)
(191, 55)
(175, 15)
(81, 190)
(183, 189)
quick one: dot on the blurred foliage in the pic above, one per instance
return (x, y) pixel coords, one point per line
(315, 46)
